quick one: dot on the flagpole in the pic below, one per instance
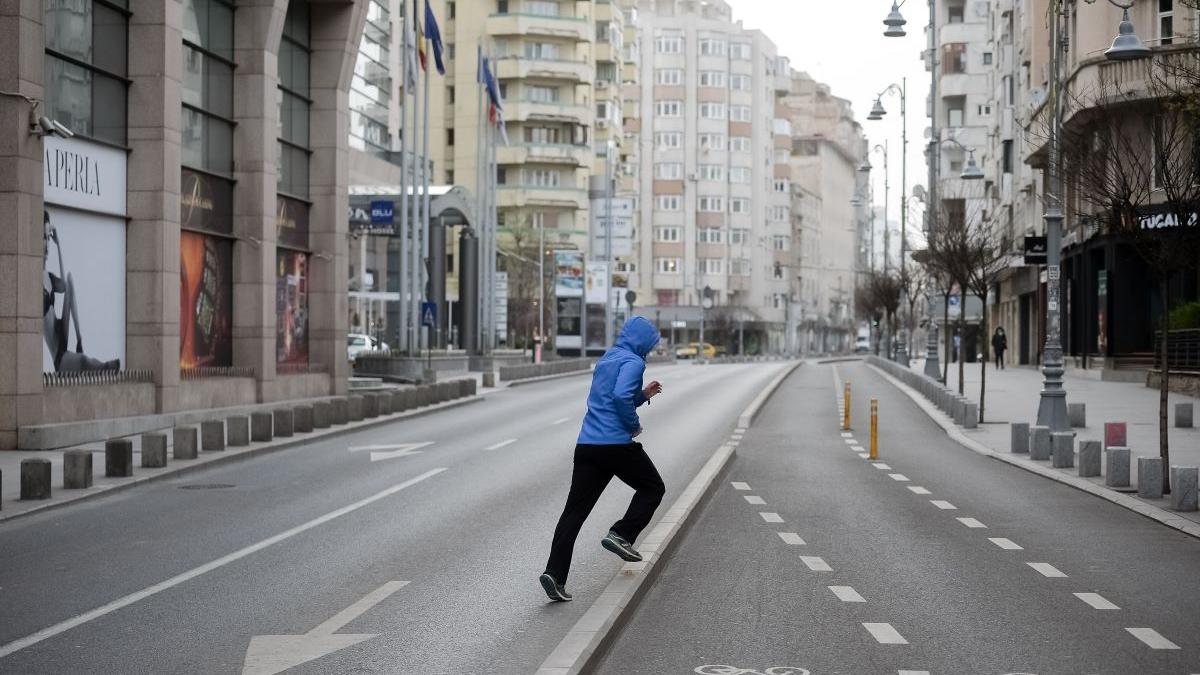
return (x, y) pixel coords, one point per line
(425, 178)
(402, 341)
(414, 232)
(480, 189)
(492, 239)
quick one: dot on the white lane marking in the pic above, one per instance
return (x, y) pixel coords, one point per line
(770, 517)
(972, 523)
(881, 466)
(850, 441)
(913, 672)
(1096, 600)
(815, 563)
(917, 489)
(899, 477)
(943, 504)
(560, 421)
(739, 485)
(733, 444)
(501, 444)
(847, 594)
(1047, 570)
(847, 434)
(864, 455)
(1152, 638)
(736, 436)
(1006, 544)
(858, 448)
(271, 654)
(791, 538)
(884, 634)
(119, 603)
(755, 499)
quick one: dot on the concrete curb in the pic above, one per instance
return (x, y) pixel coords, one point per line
(208, 460)
(596, 629)
(1165, 517)
(542, 378)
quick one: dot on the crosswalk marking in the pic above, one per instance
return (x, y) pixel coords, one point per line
(1047, 570)
(739, 485)
(1006, 544)
(884, 634)
(881, 466)
(755, 499)
(815, 563)
(972, 523)
(770, 517)
(1152, 638)
(899, 477)
(918, 490)
(791, 538)
(1096, 600)
(943, 504)
(847, 594)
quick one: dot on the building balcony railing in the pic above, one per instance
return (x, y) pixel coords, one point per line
(518, 196)
(578, 28)
(520, 67)
(544, 153)
(525, 111)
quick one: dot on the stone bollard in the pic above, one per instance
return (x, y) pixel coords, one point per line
(1077, 414)
(1150, 475)
(429, 375)
(339, 412)
(261, 426)
(35, 478)
(354, 408)
(411, 399)
(971, 415)
(1089, 458)
(184, 439)
(1116, 467)
(1039, 443)
(370, 406)
(118, 458)
(446, 391)
(1062, 445)
(212, 435)
(237, 429)
(957, 410)
(284, 421)
(471, 387)
(1184, 483)
(489, 378)
(302, 416)
(398, 400)
(1020, 438)
(77, 469)
(154, 450)
(422, 394)
(322, 414)
(1114, 435)
(1183, 415)
(384, 403)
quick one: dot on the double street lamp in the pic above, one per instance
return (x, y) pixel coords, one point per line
(877, 112)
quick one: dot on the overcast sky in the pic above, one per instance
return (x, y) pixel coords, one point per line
(841, 43)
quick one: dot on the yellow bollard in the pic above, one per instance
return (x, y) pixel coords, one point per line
(874, 428)
(846, 408)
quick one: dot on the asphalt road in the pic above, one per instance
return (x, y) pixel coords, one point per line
(810, 559)
(424, 562)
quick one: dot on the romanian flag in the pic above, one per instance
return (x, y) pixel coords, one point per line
(420, 38)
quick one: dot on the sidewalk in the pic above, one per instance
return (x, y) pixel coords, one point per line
(1012, 396)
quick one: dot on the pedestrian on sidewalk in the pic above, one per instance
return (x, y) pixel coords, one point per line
(999, 346)
(606, 448)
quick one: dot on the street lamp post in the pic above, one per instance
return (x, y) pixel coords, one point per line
(877, 113)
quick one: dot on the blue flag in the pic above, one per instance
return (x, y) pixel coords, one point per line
(435, 38)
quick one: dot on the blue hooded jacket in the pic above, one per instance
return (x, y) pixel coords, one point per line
(616, 391)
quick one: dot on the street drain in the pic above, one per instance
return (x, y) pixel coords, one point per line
(206, 486)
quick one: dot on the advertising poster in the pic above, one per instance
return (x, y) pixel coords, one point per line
(597, 283)
(206, 300)
(291, 307)
(568, 274)
(621, 230)
(83, 291)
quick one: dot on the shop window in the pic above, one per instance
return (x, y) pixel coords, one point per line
(85, 66)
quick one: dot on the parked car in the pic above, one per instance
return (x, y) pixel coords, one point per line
(359, 342)
(690, 350)
(862, 345)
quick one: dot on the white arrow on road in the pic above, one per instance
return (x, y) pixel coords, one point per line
(391, 450)
(270, 654)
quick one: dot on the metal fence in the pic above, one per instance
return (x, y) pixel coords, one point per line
(1183, 350)
(202, 372)
(96, 377)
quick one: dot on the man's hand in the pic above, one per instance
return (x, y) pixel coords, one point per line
(653, 389)
(637, 433)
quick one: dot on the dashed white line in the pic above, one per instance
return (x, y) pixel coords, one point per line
(858, 448)
(1096, 600)
(791, 538)
(899, 477)
(770, 517)
(1047, 570)
(847, 434)
(881, 466)
(815, 563)
(864, 455)
(501, 444)
(884, 634)
(847, 594)
(1152, 638)
(755, 499)
(739, 485)
(972, 523)
(913, 672)
(943, 504)
(850, 441)
(1006, 544)
(560, 421)
(918, 490)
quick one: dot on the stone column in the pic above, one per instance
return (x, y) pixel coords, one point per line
(256, 49)
(152, 248)
(336, 30)
(21, 249)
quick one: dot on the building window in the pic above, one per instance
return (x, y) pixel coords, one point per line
(712, 141)
(667, 202)
(668, 234)
(738, 236)
(668, 170)
(668, 108)
(544, 51)
(954, 13)
(1007, 156)
(668, 140)
(739, 113)
(371, 84)
(781, 242)
(85, 66)
(740, 174)
(712, 172)
(536, 94)
(666, 265)
(954, 58)
(541, 7)
(671, 77)
(712, 47)
(543, 178)
(712, 78)
(987, 58)
(739, 82)
(708, 235)
(710, 204)
(955, 108)
(543, 135)
(668, 44)
(740, 51)
(739, 205)
(1166, 21)
(207, 87)
(712, 111)
(739, 143)
(780, 185)
(294, 103)
(709, 265)
(451, 9)
(739, 267)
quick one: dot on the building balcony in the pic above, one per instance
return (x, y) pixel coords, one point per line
(519, 67)
(519, 196)
(963, 84)
(544, 153)
(530, 111)
(971, 33)
(578, 28)
(607, 52)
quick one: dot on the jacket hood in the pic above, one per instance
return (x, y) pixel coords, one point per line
(638, 336)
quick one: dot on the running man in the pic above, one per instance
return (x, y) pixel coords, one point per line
(605, 449)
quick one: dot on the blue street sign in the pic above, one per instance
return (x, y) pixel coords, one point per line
(429, 314)
(381, 211)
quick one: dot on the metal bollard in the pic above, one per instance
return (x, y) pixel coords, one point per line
(846, 407)
(874, 428)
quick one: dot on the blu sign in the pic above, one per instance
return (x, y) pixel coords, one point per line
(381, 211)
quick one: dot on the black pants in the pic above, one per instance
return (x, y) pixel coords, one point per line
(595, 466)
(999, 359)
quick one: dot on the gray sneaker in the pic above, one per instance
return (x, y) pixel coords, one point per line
(554, 590)
(617, 544)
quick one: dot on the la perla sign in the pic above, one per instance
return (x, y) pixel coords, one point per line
(84, 175)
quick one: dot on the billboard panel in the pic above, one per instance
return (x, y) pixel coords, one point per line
(291, 307)
(596, 283)
(568, 274)
(206, 300)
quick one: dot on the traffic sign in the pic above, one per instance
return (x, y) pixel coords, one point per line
(429, 314)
